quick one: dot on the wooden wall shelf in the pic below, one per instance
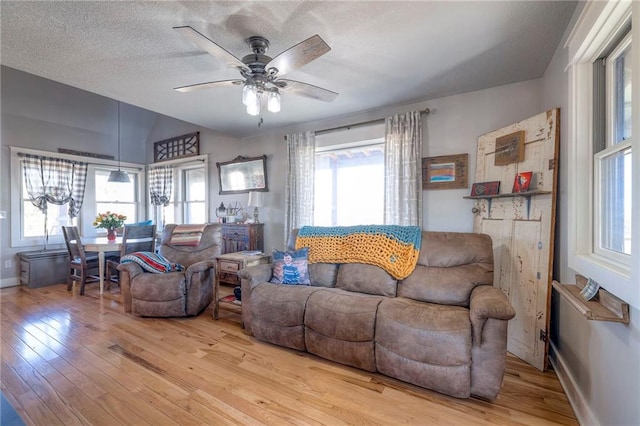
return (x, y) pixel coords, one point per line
(603, 307)
(508, 195)
(527, 195)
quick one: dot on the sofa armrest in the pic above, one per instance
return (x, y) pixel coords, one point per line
(488, 302)
(128, 271)
(201, 266)
(131, 268)
(251, 277)
(256, 274)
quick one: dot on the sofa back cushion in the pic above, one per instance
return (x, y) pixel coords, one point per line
(209, 246)
(450, 265)
(363, 278)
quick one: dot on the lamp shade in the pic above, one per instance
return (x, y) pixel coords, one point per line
(118, 176)
(255, 199)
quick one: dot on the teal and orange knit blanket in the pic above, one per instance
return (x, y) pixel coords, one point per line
(394, 248)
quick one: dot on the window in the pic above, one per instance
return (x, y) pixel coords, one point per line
(188, 202)
(612, 157)
(118, 197)
(349, 185)
(33, 223)
(27, 222)
(602, 238)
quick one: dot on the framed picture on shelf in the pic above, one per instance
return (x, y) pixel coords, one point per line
(445, 171)
(510, 148)
(480, 189)
(522, 182)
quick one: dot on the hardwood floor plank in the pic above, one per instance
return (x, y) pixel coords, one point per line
(70, 359)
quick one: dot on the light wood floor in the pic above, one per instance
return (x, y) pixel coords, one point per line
(70, 359)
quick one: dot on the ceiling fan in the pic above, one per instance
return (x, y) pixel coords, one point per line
(262, 74)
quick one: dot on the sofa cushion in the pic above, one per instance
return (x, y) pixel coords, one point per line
(323, 274)
(450, 286)
(278, 313)
(340, 326)
(291, 267)
(363, 278)
(425, 344)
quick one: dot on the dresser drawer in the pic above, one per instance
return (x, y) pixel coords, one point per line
(226, 266)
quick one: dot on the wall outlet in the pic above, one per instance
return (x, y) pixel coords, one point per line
(3, 214)
(8, 264)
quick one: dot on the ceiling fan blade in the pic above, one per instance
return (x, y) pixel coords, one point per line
(305, 89)
(209, 85)
(208, 45)
(299, 55)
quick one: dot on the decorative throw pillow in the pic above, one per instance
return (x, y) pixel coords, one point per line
(187, 235)
(152, 262)
(291, 267)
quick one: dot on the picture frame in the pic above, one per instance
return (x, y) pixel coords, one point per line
(243, 174)
(509, 148)
(445, 172)
(481, 189)
(522, 182)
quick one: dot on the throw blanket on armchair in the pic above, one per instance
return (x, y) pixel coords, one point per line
(394, 248)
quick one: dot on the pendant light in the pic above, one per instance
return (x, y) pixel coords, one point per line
(119, 175)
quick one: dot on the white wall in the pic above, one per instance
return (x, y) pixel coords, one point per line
(599, 362)
(452, 127)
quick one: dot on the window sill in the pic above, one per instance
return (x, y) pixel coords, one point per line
(603, 307)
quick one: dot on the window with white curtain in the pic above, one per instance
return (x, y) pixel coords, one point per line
(188, 202)
(349, 185)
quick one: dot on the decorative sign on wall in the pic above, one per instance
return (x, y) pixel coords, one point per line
(179, 147)
(445, 171)
(85, 154)
(509, 148)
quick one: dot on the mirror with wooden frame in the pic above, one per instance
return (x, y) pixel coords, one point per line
(243, 174)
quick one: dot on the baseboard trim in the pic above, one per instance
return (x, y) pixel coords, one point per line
(9, 282)
(578, 402)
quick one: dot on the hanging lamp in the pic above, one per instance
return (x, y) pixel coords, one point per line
(119, 175)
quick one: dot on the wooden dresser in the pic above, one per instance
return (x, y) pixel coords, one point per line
(242, 236)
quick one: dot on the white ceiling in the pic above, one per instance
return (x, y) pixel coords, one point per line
(383, 52)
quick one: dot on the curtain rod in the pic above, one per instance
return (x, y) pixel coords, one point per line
(425, 111)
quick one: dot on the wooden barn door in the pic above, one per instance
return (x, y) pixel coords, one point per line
(522, 227)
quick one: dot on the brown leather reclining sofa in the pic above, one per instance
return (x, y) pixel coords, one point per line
(444, 327)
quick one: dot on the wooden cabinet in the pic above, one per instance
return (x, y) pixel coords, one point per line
(242, 236)
(43, 267)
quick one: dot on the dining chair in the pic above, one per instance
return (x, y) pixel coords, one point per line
(80, 263)
(134, 238)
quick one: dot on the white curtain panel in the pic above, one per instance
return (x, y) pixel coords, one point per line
(298, 209)
(403, 169)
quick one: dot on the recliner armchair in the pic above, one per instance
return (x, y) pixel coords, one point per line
(173, 294)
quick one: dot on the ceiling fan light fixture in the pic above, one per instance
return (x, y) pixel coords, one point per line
(249, 93)
(273, 101)
(253, 108)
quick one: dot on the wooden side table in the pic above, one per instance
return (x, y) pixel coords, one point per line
(227, 267)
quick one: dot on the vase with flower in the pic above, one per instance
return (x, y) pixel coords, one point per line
(109, 221)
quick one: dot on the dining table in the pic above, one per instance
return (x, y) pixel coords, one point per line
(101, 245)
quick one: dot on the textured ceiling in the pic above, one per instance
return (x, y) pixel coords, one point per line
(383, 52)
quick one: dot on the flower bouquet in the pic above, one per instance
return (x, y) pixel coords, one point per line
(109, 221)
